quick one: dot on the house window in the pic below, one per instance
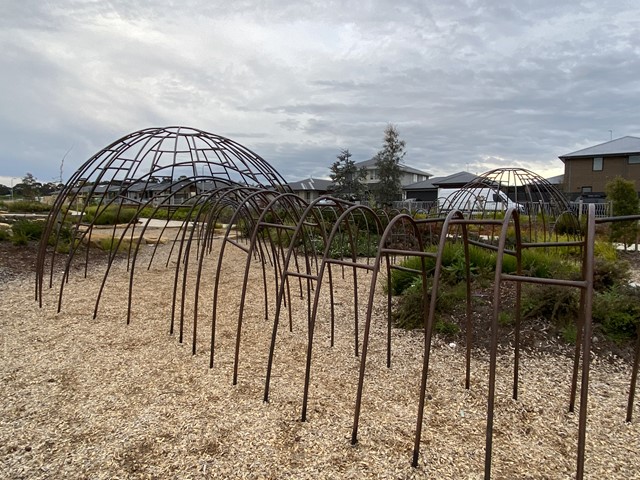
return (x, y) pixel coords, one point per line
(597, 164)
(373, 174)
(634, 159)
(586, 190)
(307, 195)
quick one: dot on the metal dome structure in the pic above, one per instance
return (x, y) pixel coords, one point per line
(542, 206)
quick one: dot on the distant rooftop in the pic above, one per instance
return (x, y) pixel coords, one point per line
(405, 168)
(624, 145)
(455, 179)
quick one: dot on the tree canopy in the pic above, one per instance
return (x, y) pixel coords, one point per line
(624, 201)
(347, 178)
(389, 187)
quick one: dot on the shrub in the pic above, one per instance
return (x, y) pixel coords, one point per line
(445, 328)
(19, 238)
(111, 215)
(554, 303)
(608, 273)
(4, 235)
(617, 311)
(29, 229)
(109, 244)
(624, 201)
(411, 308)
(27, 206)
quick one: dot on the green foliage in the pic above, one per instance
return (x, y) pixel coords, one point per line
(109, 244)
(617, 311)
(29, 229)
(387, 161)
(554, 303)
(568, 224)
(446, 328)
(19, 239)
(569, 333)
(27, 206)
(411, 309)
(535, 262)
(347, 178)
(624, 201)
(506, 319)
(608, 273)
(5, 235)
(111, 215)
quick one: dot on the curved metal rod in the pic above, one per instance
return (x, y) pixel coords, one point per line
(375, 269)
(454, 214)
(290, 202)
(347, 215)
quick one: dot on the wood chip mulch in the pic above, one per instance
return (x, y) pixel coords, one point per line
(96, 398)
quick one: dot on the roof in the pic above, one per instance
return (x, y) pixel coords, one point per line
(318, 184)
(453, 180)
(460, 178)
(423, 185)
(405, 168)
(557, 180)
(623, 145)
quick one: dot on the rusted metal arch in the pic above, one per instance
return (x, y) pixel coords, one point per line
(240, 199)
(248, 208)
(291, 205)
(388, 251)
(327, 261)
(584, 324)
(171, 150)
(636, 356)
(85, 230)
(298, 234)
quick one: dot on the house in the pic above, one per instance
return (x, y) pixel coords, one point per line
(428, 190)
(587, 171)
(408, 176)
(311, 188)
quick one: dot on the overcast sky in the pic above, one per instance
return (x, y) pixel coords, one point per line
(470, 85)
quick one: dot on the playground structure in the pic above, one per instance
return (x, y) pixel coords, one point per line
(211, 184)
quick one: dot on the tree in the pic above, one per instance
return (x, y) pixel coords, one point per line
(30, 187)
(388, 189)
(624, 201)
(347, 178)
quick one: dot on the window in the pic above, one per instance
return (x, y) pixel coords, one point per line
(597, 164)
(586, 189)
(634, 159)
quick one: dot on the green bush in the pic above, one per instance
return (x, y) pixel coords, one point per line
(624, 201)
(28, 229)
(411, 309)
(111, 215)
(5, 235)
(617, 311)
(19, 239)
(608, 273)
(109, 244)
(554, 303)
(446, 328)
(27, 206)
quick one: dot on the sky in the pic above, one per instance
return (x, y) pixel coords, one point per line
(470, 85)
